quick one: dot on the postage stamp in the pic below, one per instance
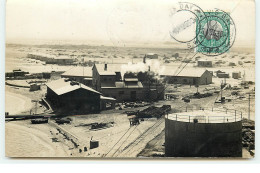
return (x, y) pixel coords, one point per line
(213, 33)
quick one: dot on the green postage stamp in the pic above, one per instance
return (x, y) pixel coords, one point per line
(213, 33)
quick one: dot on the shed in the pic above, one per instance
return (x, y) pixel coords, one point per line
(72, 96)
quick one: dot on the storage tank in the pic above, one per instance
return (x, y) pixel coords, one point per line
(204, 133)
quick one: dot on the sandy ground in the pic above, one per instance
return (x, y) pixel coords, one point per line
(23, 139)
(16, 103)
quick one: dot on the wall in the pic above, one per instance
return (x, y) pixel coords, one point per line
(183, 139)
(125, 96)
(78, 100)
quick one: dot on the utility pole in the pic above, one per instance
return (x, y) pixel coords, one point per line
(249, 106)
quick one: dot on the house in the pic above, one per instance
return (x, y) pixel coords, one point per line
(188, 77)
(236, 75)
(204, 63)
(67, 96)
(105, 75)
(80, 74)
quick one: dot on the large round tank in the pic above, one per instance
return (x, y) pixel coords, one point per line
(203, 134)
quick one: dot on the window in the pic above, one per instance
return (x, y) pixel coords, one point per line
(105, 79)
(121, 92)
(185, 80)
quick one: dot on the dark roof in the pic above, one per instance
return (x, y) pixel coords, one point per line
(61, 87)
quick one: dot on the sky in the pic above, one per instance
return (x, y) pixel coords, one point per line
(113, 21)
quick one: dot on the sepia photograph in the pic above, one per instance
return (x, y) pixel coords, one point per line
(130, 79)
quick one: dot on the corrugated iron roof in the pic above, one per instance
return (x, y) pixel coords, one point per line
(107, 98)
(111, 69)
(186, 72)
(61, 87)
(79, 72)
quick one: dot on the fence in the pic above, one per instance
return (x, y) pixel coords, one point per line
(229, 115)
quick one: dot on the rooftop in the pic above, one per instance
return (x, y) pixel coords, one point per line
(61, 87)
(111, 69)
(79, 71)
(190, 72)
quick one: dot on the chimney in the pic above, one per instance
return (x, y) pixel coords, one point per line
(105, 67)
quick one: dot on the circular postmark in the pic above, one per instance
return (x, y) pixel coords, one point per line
(184, 19)
(210, 33)
(216, 33)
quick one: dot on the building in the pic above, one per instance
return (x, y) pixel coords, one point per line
(236, 75)
(188, 77)
(16, 74)
(52, 59)
(150, 56)
(67, 96)
(107, 79)
(221, 74)
(80, 74)
(204, 133)
(130, 89)
(105, 75)
(204, 63)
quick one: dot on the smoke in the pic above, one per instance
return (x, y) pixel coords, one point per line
(154, 66)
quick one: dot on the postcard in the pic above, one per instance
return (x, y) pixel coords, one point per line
(130, 79)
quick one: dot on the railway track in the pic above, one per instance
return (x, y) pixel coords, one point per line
(136, 144)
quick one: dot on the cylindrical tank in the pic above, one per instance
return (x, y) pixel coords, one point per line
(193, 135)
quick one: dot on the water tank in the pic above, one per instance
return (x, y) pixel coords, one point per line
(204, 133)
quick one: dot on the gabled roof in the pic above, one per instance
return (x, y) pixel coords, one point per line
(61, 87)
(79, 71)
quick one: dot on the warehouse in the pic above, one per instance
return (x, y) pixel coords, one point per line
(69, 96)
(79, 74)
(188, 77)
(51, 59)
